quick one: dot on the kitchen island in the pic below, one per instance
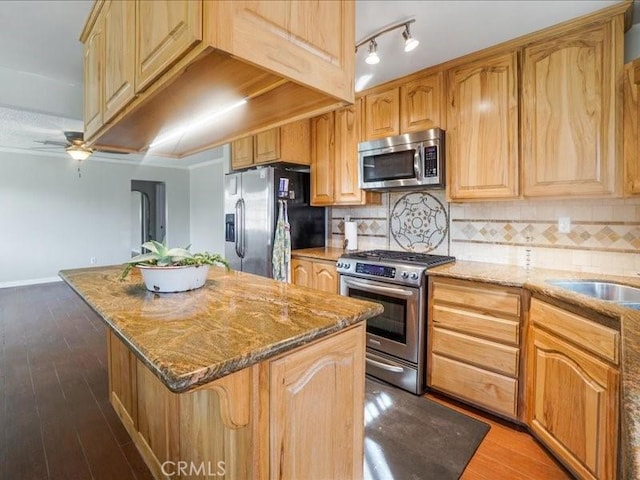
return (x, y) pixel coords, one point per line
(243, 378)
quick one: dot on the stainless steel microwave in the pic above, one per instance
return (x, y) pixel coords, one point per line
(409, 160)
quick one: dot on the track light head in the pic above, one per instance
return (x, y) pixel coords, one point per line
(410, 43)
(373, 57)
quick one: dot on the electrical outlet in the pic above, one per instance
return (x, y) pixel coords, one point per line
(94, 260)
(564, 224)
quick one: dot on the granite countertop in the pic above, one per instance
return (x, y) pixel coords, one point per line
(234, 321)
(626, 320)
(320, 253)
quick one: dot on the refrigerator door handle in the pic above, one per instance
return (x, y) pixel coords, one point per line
(239, 244)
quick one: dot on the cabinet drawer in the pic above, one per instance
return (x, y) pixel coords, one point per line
(484, 299)
(473, 323)
(490, 390)
(587, 334)
(484, 353)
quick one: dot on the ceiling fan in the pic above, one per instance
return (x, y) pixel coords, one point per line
(76, 147)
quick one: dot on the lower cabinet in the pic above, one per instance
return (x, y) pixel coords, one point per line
(474, 338)
(318, 274)
(299, 415)
(574, 391)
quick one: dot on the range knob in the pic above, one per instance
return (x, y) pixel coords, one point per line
(414, 276)
(341, 265)
(404, 275)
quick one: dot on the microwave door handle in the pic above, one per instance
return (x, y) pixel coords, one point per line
(417, 159)
(380, 289)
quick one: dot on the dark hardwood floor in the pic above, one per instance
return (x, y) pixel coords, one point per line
(56, 421)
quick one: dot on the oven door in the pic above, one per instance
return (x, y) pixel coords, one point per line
(398, 329)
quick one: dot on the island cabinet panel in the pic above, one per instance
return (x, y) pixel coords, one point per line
(421, 103)
(574, 405)
(382, 114)
(123, 382)
(474, 344)
(631, 128)
(571, 112)
(317, 410)
(166, 29)
(482, 133)
(119, 70)
(93, 81)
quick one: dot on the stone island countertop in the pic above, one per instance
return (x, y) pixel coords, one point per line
(236, 320)
(625, 320)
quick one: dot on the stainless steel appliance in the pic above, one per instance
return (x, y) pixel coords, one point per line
(396, 338)
(250, 207)
(409, 160)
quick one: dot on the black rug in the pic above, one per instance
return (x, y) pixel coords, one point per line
(409, 437)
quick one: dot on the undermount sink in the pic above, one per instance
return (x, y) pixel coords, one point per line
(613, 292)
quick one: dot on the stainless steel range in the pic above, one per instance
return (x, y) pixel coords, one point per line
(396, 338)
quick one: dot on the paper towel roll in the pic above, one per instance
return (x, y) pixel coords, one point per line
(351, 235)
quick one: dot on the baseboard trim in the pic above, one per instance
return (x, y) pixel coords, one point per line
(33, 281)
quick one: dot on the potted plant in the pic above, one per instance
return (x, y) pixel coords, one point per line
(172, 269)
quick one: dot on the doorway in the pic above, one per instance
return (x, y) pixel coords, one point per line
(148, 213)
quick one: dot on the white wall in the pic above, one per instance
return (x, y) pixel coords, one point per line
(50, 219)
(632, 43)
(207, 207)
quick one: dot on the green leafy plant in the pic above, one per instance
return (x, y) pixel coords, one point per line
(161, 256)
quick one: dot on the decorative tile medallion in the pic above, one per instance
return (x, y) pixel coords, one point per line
(418, 222)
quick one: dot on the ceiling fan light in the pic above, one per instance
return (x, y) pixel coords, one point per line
(79, 153)
(410, 43)
(373, 57)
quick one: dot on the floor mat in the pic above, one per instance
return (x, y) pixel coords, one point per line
(410, 437)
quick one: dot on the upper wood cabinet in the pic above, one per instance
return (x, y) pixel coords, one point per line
(334, 160)
(631, 128)
(382, 114)
(289, 143)
(571, 112)
(93, 78)
(421, 102)
(482, 134)
(165, 29)
(119, 57)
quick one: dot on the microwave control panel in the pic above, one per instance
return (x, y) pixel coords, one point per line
(431, 161)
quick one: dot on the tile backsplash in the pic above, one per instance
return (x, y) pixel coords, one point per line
(604, 235)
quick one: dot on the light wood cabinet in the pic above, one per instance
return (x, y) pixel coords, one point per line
(318, 274)
(421, 102)
(119, 56)
(334, 160)
(571, 112)
(482, 134)
(165, 30)
(122, 381)
(290, 143)
(631, 128)
(573, 395)
(474, 344)
(93, 80)
(326, 377)
(382, 114)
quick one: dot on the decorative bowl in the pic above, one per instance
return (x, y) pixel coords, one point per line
(173, 279)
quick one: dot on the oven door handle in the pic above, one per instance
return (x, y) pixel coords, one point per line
(379, 289)
(384, 366)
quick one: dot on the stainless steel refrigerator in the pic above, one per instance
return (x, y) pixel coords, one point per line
(251, 210)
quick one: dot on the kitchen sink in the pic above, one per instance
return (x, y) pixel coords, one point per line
(613, 292)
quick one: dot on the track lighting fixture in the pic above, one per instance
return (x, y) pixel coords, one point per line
(410, 43)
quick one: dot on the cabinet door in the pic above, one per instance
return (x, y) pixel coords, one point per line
(421, 104)
(570, 129)
(93, 65)
(327, 379)
(631, 129)
(122, 381)
(574, 406)
(347, 190)
(267, 146)
(322, 159)
(302, 272)
(242, 153)
(119, 38)
(325, 277)
(482, 135)
(166, 30)
(382, 114)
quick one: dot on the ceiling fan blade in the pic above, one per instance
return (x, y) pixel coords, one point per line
(106, 150)
(52, 142)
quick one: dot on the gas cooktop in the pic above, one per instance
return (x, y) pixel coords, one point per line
(391, 256)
